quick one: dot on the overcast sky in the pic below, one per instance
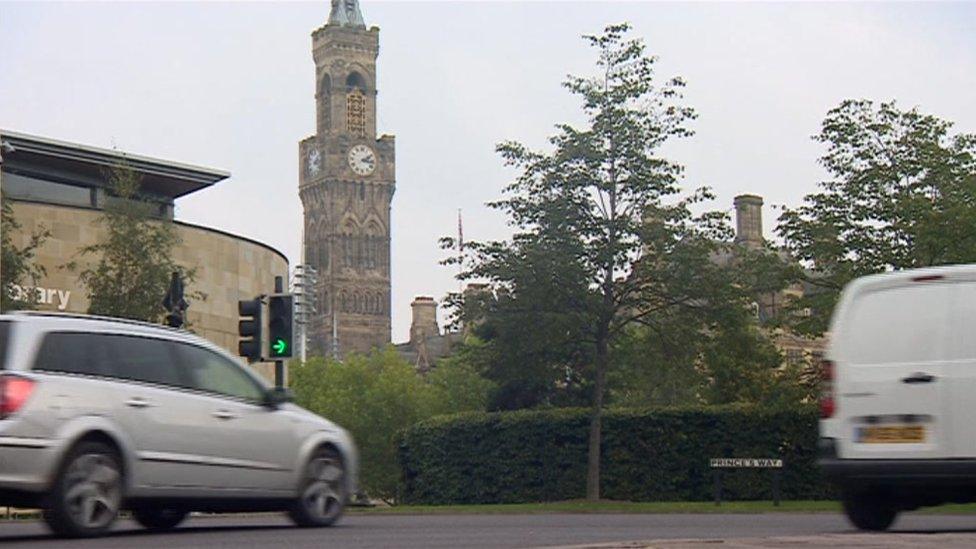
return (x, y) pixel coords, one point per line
(231, 86)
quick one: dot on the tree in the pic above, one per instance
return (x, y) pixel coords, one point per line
(376, 396)
(605, 203)
(900, 194)
(19, 272)
(455, 385)
(712, 351)
(134, 259)
(530, 334)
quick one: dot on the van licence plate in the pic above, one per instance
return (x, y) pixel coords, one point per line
(891, 434)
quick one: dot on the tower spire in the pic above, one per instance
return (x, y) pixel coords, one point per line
(346, 13)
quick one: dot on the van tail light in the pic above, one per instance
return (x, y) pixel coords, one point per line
(14, 392)
(827, 403)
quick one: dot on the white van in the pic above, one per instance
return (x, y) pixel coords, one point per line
(898, 409)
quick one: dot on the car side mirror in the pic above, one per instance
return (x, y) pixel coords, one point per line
(277, 396)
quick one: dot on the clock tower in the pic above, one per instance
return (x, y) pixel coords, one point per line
(346, 184)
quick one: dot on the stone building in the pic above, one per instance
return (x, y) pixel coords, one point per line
(427, 343)
(346, 185)
(796, 350)
(62, 187)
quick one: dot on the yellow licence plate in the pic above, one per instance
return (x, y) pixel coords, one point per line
(891, 434)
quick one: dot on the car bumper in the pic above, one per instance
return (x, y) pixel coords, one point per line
(894, 471)
(25, 463)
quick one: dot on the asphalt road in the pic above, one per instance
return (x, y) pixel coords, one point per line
(471, 531)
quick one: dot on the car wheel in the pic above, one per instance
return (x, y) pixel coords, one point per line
(87, 492)
(322, 494)
(159, 518)
(869, 510)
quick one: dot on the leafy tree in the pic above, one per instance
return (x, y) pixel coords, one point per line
(599, 220)
(134, 259)
(455, 385)
(19, 272)
(530, 334)
(658, 366)
(376, 396)
(901, 193)
(713, 352)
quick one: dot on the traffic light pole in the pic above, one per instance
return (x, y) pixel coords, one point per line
(279, 373)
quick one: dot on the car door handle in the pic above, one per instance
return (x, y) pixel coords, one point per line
(918, 377)
(224, 414)
(138, 402)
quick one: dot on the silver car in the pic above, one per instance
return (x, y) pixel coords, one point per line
(100, 414)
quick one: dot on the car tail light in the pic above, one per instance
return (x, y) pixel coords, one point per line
(827, 404)
(14, 392)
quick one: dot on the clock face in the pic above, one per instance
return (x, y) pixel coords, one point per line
(314, 162)
(362, 159)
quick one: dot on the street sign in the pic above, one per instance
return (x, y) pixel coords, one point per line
(746, 463)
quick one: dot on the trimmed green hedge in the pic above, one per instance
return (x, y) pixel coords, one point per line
(648, 455)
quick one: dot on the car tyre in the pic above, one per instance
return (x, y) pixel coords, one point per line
(322, 491)
(87, 492)
(159, 518)
(869, 510)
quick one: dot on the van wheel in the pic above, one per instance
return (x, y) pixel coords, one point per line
(160, 518)
(869, 510)
(322, 495)
(87, 492)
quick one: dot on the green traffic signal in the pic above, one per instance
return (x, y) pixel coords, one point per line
(281, 313)
(280, 346)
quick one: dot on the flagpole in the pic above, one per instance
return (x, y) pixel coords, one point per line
(460, 255)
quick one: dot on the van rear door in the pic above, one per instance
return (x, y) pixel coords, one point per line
(890, 362)
(961, 369)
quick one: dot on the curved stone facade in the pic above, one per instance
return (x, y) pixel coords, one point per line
(228, 267)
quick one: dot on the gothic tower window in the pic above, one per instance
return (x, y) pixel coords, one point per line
(356, 105)
(325, 103)
(356, 113)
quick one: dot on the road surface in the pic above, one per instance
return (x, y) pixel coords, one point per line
(505, 531)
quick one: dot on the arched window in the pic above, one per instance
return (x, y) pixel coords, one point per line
(356, 80)
(325, 103)
(323, 257)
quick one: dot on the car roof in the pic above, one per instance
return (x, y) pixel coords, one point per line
(49, 321)
(39, 322)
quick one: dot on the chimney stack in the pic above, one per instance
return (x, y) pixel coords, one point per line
(748, 220)
(424, 323)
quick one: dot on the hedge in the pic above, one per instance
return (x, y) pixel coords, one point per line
(647, 455)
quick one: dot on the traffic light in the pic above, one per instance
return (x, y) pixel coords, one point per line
(281, 315)
(250, 328)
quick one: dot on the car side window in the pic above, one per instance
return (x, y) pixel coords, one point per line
(213, 373)
(143, 359)
(71, 352)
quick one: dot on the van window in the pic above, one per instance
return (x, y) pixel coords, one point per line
(905, 324)
(4, 333)
(72, 352)
(143, 359)
(211, 372)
